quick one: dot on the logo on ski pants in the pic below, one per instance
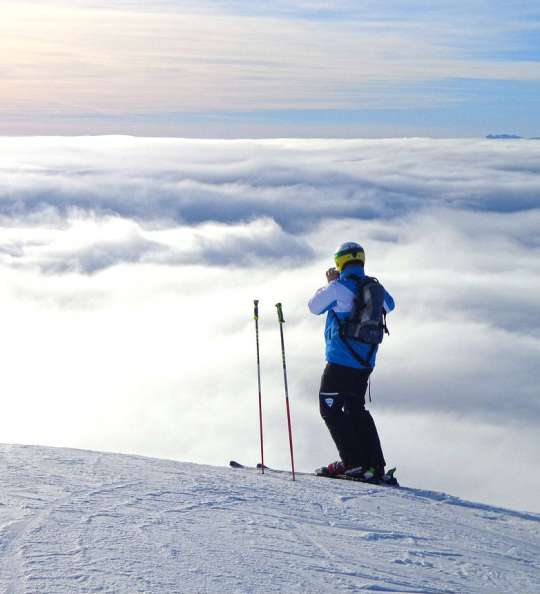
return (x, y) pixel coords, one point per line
(329, 401)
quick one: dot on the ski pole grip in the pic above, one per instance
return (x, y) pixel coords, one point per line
(256, 309)
(280, 313)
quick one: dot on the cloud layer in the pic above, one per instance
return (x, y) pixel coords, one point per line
(129, 267)
(297, 183)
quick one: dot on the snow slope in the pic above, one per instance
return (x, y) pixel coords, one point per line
(73, 521)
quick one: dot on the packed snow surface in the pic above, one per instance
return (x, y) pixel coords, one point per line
(73, 521)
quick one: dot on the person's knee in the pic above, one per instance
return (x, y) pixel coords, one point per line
(355, 406)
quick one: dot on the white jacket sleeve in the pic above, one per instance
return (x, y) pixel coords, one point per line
(324, 299)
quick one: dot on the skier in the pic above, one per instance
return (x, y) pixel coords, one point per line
(349, 365)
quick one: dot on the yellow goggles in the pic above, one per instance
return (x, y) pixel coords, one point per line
(343, 259)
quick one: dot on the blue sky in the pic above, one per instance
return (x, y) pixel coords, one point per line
(237, 69)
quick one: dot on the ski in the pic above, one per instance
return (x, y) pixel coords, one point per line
(344, 477)
(259, 466)
(235, 464)
(389, 480)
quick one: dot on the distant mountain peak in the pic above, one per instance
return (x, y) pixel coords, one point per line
(503, 137)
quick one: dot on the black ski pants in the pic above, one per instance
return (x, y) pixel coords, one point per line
(342, 406)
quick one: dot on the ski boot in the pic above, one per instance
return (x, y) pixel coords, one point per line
(374, 475)
(369, 474)
(389, 478)
(333, 469)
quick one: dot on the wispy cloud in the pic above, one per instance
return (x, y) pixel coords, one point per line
(88, 59)
(87, 244)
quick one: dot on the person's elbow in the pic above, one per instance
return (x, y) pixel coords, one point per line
(313, 308)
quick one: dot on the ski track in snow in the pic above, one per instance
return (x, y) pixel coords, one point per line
(73, 521)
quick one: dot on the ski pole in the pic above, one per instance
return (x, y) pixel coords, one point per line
(256, 318)
(281, 322)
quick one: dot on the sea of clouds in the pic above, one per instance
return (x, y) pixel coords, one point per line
(129, 268)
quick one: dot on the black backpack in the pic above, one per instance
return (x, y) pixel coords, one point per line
(367, 320)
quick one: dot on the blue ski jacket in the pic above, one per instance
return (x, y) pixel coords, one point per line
(338, 297)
